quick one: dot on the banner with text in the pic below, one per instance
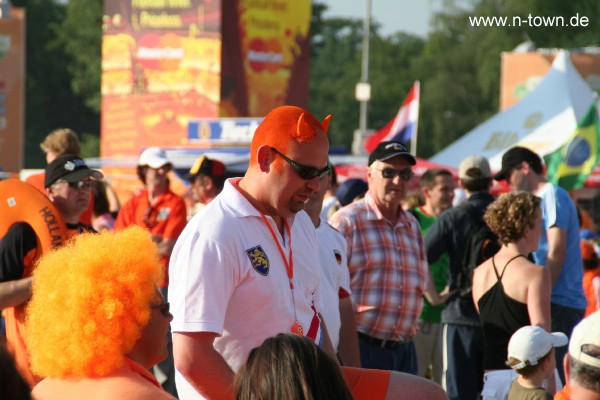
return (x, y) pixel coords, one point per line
(266, 56)
(160, 69)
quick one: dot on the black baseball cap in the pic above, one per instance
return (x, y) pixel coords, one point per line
(386, 150)
(515, 156)
(70, 168)
(206, 166)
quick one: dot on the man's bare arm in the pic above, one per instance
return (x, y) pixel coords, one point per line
(557, 251)
(348, 348)
(14, 293)
(327, 345)
(165, 246)
(201, 365)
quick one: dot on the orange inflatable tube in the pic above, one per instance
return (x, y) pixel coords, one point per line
(21, 202)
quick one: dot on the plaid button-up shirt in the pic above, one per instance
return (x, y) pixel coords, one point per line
(388, 269)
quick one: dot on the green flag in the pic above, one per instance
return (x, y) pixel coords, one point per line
(570, 165)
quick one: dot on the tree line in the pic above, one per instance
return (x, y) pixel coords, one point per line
(458, 65)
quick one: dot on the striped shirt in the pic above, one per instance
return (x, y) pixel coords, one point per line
(387, 269)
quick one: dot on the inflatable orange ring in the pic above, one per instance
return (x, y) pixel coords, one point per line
(21, 202)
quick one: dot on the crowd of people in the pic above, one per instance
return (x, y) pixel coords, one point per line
(282, 284)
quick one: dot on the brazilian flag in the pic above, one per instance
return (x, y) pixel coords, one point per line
(570, 165)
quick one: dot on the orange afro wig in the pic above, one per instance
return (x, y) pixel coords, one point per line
(285, 123)
(91, 298)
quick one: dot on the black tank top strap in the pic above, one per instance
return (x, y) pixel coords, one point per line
(506, 265)
(495, 270)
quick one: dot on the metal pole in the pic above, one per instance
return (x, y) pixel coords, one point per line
(365, 67)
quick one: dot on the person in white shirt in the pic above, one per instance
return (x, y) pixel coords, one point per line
(244, 267)
(338, 311)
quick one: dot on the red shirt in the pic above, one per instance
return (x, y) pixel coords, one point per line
(165, 217)
(591, 288)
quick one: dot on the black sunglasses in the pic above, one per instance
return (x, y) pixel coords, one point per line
(79, 184)
(164, 308)
(389, 173)
(304, 171)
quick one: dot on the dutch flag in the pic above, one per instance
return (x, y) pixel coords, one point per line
(403, 127)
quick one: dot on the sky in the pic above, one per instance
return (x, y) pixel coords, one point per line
(412, 16)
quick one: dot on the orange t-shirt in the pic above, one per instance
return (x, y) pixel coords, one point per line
(132, 382)
(591, 290)
(367, 384)
(166, 217)
(37, 181)
(564, 394)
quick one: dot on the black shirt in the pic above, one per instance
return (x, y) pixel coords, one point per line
(450, 234)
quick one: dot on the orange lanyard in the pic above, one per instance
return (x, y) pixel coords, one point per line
(289, 264)
(289, 261)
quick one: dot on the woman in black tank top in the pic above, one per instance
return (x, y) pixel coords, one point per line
(509, 291)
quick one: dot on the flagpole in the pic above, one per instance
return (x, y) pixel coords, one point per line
(365, 69)
(413, 141)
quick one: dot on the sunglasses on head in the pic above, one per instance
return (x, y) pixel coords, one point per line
(164, 308)
(79, 184)
(305, 172)
(390, 173)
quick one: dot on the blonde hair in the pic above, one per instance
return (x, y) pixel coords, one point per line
(60, 142)
(91, 299)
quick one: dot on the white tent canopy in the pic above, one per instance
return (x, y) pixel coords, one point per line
(542, 121)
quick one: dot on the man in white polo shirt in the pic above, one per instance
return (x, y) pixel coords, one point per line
(246, 266)
(338, 311)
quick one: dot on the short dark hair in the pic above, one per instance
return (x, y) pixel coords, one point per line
(585, 375)
(528, 370)
(477, 185)
(101, 205)
(428, 178)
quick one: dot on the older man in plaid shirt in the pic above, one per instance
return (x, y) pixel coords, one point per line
(387, 262)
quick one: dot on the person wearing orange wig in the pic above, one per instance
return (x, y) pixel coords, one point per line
(96, 321)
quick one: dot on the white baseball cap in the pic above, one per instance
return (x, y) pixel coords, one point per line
(529, 344)
(153, 157)
(587, 332)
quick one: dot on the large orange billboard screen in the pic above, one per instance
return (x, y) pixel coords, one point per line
(160, 68)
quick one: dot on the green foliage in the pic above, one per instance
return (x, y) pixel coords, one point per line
(458, 66)
(335, 69)
(83, 22)
(50, 101)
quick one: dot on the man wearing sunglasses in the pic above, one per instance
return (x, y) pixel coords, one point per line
(387, 262)
(68, 186)
(246, 266)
